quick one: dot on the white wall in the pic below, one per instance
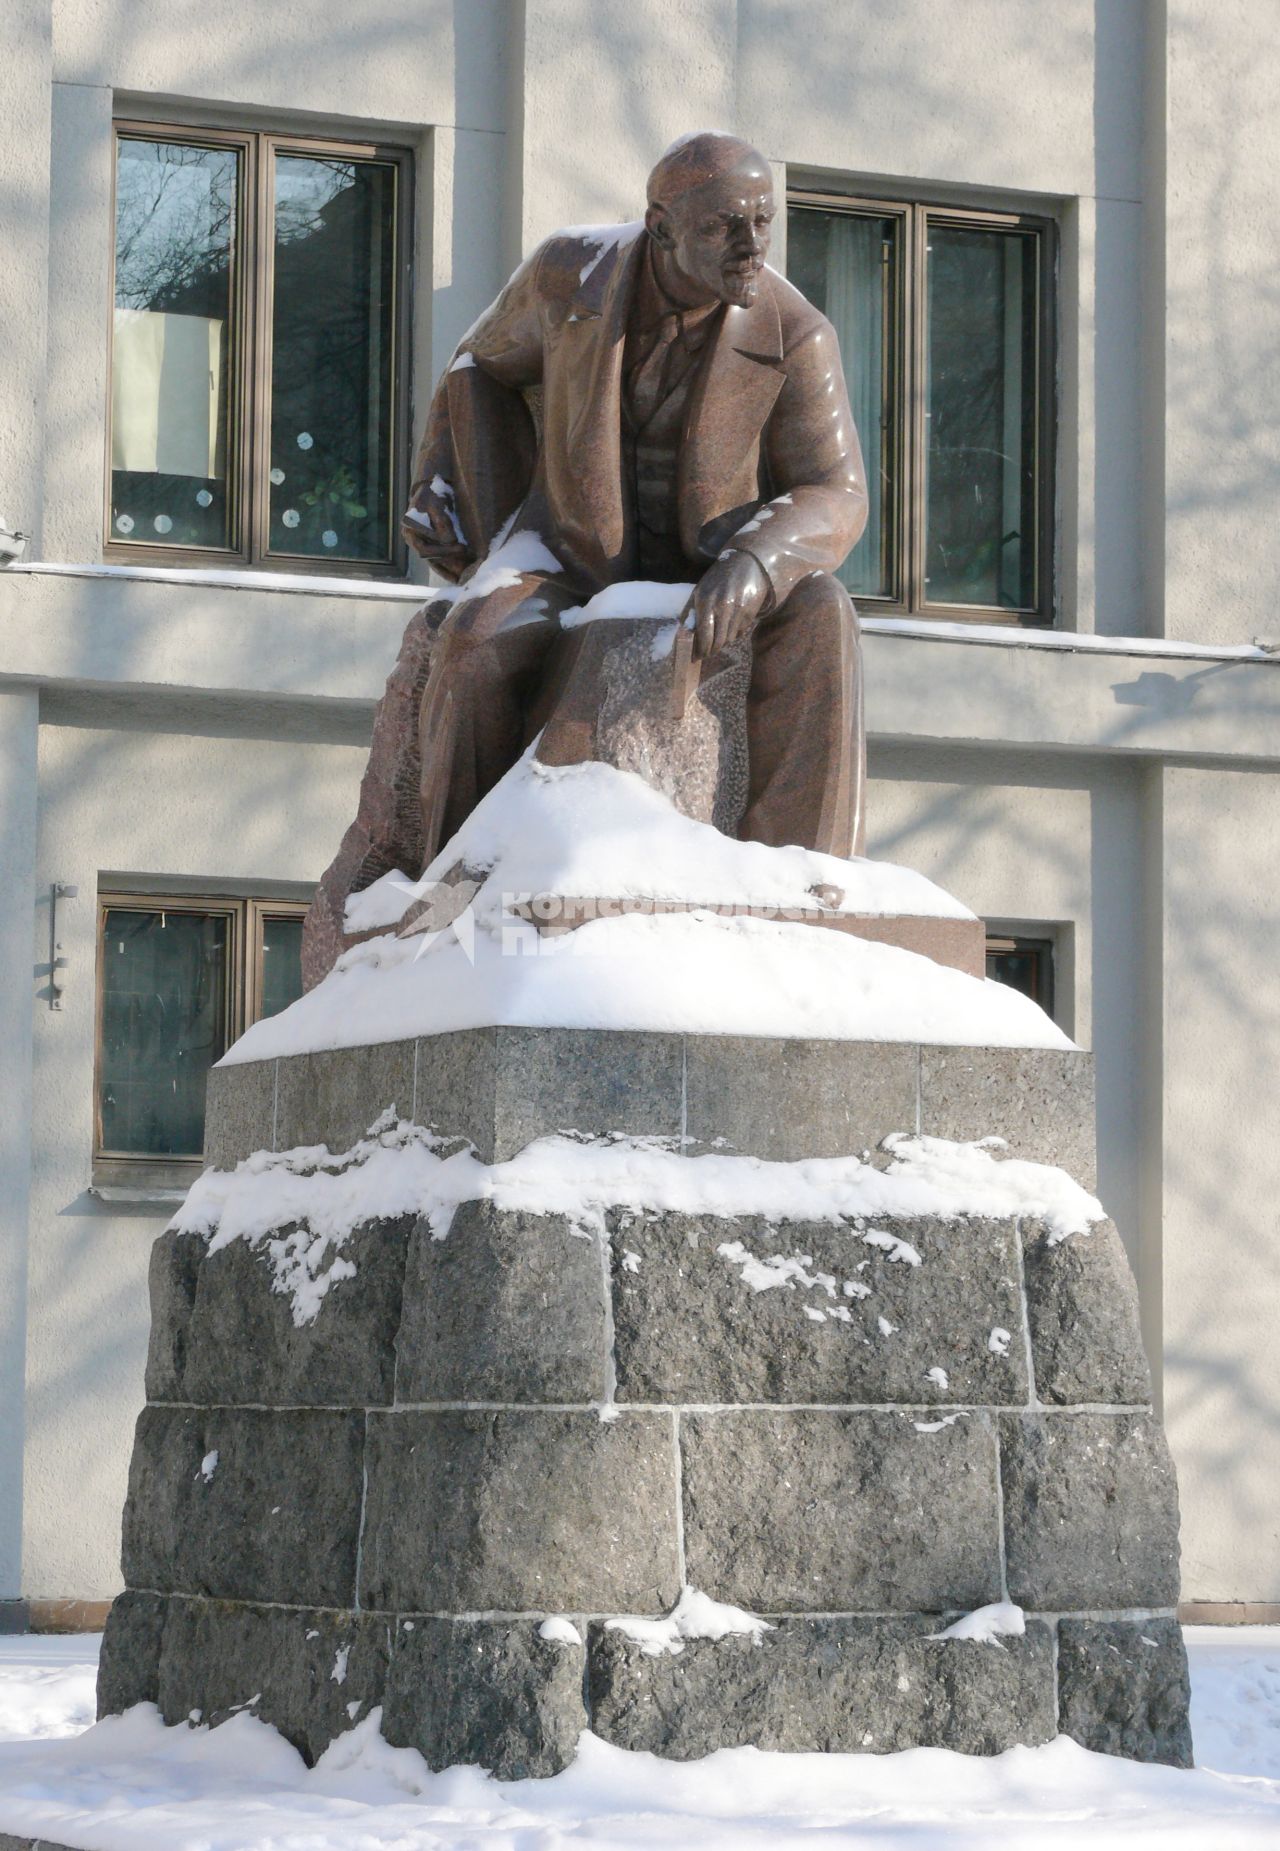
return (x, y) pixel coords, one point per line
(1221, 1172)
(1222, 320)
(19, 717)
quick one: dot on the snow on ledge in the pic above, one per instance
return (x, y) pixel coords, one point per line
(694, 1616)
(987, 1625)
(299, 1206)
(685, 973)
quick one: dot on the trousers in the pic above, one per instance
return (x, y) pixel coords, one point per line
(499, 659)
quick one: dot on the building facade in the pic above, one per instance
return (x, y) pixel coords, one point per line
(240, 246)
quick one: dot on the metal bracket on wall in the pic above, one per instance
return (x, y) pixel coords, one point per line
(58, 890)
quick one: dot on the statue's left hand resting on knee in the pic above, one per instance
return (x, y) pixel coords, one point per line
(647, 401)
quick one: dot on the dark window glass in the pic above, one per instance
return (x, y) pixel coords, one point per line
(944, 319)
(172, 344)
(281, 963)
(332, 348)
(165, 985)
(980, 410)
(845, 264)
(1025, 964)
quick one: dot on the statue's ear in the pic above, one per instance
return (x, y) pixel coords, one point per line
(657, 226)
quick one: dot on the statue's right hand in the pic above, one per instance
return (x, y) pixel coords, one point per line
(429, 525)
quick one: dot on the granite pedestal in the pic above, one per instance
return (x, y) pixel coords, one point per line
(383, 1506)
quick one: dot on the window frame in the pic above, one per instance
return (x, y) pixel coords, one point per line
(905, 381)
(242, 1008)
(1040, 945)
(249, 410)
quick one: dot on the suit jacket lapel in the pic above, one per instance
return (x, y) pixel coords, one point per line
(594, 336)
(731, 400)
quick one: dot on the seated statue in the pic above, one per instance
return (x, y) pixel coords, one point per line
(693, 425)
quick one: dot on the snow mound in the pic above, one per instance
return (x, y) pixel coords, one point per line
(594, 830)
(590, 831)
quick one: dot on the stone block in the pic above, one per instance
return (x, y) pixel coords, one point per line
(245, 1504)
(1082, 1306)
(456, 1087)
(594, 1081)
(172, 1275)
(829, 1686)
(519, 1512)
(243, 1345)
(507, 1307)
(616, 707)
(1124, 1689)
(791, 1099)
(808, 1510)
(311, 1675)
(691, 1327)
(334, 1097)
(1090, 1511)
(1039, 1100)
(129, 1660)
(492, 1693)
(240, 1105)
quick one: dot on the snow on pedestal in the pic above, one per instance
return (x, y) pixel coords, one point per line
(675, 1327)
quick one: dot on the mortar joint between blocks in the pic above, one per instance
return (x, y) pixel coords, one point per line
(364, 1499)
(1000, 1537)
(679, 1468)
(1034, 1403)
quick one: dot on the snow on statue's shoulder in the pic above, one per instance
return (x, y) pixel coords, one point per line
(592, 832)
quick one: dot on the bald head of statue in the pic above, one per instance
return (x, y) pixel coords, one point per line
(709, 215)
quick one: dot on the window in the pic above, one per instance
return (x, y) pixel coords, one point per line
(257, 376)
(178, 981)
(944, 321)
(1025, 964)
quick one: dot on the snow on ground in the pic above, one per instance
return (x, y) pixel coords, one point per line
(46, 1685)
(131, 1785)
(303, 1203)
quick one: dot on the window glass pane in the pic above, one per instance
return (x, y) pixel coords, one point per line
(845, 265)
(980, 407)
(331, 368)
(1024, 964)
(164, 1012)
(172, 343)
(281, 963)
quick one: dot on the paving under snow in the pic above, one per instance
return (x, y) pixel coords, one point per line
(129, 1784)
(592, 832)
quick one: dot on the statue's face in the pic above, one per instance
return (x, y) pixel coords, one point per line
(717, 235)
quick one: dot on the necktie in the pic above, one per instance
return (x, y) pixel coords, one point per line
(649, 378)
